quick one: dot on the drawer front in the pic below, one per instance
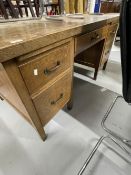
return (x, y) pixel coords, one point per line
(44, 67)
(113, 21)
(85, 41)
(50, 101)
(112, 30)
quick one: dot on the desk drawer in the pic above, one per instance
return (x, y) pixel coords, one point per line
(44, 67)
(51, 100)
(112, 21)
(112, 30)
(85, 41)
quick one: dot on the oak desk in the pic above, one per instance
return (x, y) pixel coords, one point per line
(36, 61)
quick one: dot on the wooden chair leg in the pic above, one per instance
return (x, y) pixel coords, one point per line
(3, 10)
(36, 4)
(25, 7)
(76, 6)
(56, 11)
(46, 10)
(59, 2)
(0, 12)
(19, 8)
(31, 8)
(13, 11)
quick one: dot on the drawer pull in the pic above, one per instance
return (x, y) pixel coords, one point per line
(113, 32)
(110, 23)
(49, 71)
(54, 102)
(95, 37)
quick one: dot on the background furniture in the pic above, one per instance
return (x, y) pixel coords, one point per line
(75, 6)
(7, 5)
(55, 8)
(19, 8)
(3, 11)
(110, 7)
(28, 5)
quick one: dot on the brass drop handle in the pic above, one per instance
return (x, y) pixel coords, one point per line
(110, 23)
(55, 101)
(112, 33)
(95, 37)
(51, 70)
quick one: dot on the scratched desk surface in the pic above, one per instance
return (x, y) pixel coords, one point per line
(18, 38)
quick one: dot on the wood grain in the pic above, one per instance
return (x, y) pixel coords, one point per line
(40, 33)
(50, 101)
(48, 66)
(14, 88)
(41, 46)
(110, 7)
(85, 41)
(90, 51)
(8, 92)
(18, 83)
(109, 38)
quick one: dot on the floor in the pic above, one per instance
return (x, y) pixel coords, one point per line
(70, 137)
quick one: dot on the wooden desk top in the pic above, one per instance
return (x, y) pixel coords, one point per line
(18, 38)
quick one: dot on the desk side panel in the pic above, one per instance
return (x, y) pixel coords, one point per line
(8, 92)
